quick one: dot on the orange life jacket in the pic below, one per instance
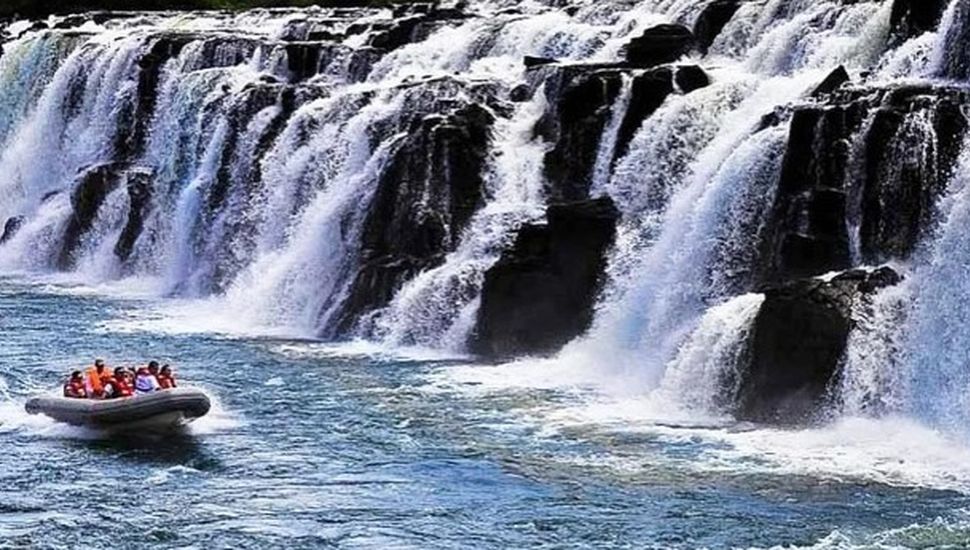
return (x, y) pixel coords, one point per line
(96, 382)
(165, 381)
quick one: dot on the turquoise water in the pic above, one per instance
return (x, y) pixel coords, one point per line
(315, 446)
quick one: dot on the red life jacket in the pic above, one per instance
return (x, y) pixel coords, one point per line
(122, 387)
(166, 381)
(75, 389)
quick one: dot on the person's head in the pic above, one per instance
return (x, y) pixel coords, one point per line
(99, 364)
(166, 370)
(76, 375)
(120, 372)
(153, 367)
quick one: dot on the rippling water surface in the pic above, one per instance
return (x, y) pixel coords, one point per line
(315, 446)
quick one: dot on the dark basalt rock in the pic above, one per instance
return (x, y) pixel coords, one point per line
(92, 187)
(239, 176)
(303, 59)
(659, 45)
(832, 82)
(11, 227)
(401, 33)
(798, 342)
(425, 197)
(712, 21)
(131, 144)
(71, 21)
(691, 77)
(323, 36)
(139, 186)
(521, 93)
(239, 112)
(411, 8)
(874, 159)
(531, 61)
(325, 30)
(541, 293)
(581, 100)
(308, 59)
(414, 28)
(216, 51)
(911, 18)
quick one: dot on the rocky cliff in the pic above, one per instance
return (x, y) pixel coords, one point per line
(499, 178)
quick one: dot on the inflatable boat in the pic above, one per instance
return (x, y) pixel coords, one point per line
(161, 411)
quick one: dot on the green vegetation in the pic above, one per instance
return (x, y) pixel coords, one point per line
(42, 8)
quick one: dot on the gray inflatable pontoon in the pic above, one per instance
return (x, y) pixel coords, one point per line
(164, 410)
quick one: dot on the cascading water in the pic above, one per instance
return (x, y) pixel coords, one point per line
(437, 308)
(635, 273)
(910, 353)
(356, 174)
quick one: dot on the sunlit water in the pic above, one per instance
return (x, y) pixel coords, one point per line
(315, 446)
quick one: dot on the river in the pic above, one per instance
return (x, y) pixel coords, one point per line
(313, 445)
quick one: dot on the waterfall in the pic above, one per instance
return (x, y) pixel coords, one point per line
(695, 191)
(437, 307)
(949, 58)
(364, 173)
(662, 297)
(293, 285)
(703, 376)
(911, 353)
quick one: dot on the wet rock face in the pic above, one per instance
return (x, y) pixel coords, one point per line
(869, 162)
(238, 113)
(712, 21)
(956, 61)
(71, 21)
(139, 185)
(10, 228)
(659, 45)
(92, 188)
(540, 294)
(798, 342)
(425, 197)
(303, 59)
(130, 144)
(832, 82)
(911, 18)
(413, 25)
(581, 102)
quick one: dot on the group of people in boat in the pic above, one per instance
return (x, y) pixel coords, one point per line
(101, 382)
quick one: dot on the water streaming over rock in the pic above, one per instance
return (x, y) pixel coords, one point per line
(650, 194)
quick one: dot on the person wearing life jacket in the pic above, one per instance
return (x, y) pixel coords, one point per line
(153, 368)
(95, 379)
(145, 381)
(165, 378)
(74, 387)
(120, 386)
